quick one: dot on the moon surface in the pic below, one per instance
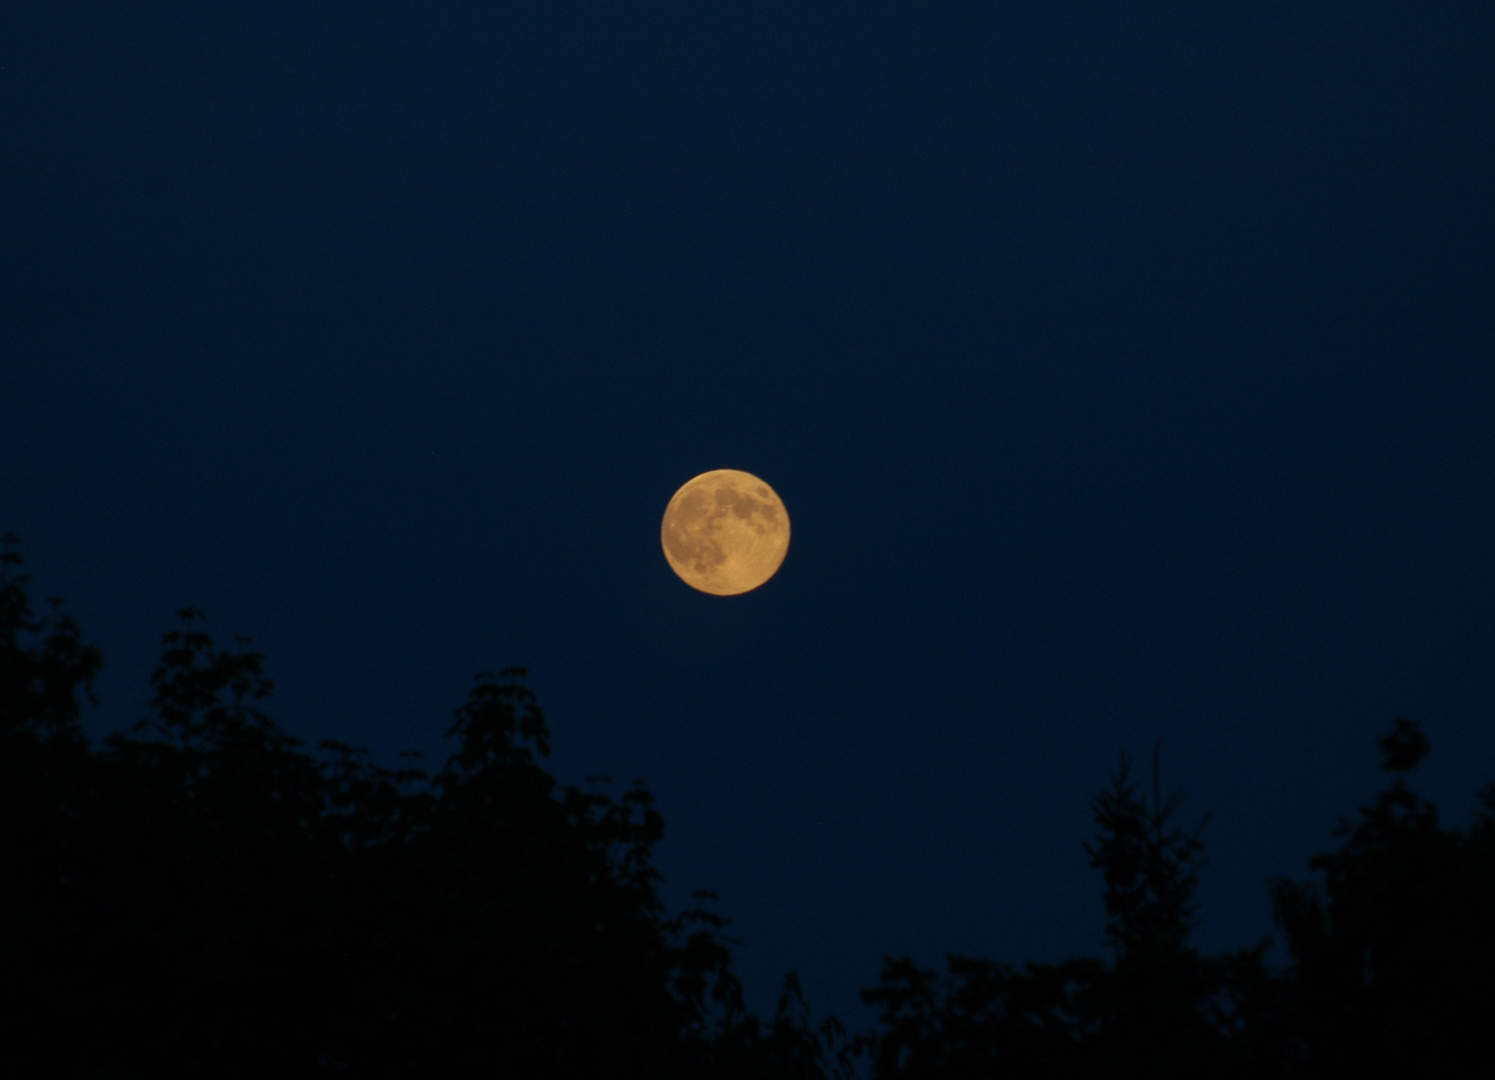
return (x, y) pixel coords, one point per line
(725, 532)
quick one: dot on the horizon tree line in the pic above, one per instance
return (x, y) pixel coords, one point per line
(201, 895)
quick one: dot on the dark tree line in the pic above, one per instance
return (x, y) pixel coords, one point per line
(200, 895)
(1392, 967)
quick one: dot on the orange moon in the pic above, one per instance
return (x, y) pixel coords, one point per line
(725, 532)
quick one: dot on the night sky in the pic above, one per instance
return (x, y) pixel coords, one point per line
(1126, 370)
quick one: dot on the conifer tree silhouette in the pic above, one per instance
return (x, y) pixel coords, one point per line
(1159, 1009)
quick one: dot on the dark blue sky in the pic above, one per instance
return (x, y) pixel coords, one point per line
(1126, 370)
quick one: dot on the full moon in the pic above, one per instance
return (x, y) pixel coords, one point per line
(725, 532)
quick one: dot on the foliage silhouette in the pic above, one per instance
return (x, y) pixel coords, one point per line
(1392, 973)
(201, 896)
(1158, 1009)
(46, 675)
(1394, 953)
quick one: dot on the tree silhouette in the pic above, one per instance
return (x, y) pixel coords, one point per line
(46, 675)
(201, 896)
(1394, 953)
(1158, 1009)
(1169, 1011)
